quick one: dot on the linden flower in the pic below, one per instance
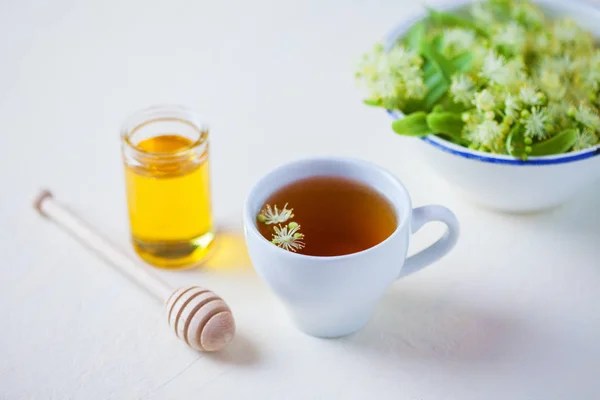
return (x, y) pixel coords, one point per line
(393, 76)
(288, 238)
(542, 41)
(529, 15)
(561, 65)
(585, 139)
(374, 63)
(399, 57)
(384, 87)
(590, 72)
(375, 73)
(545, 43)
(481, 13)
(552, 83)
(273, 216)
(567, 30)
(595, 58)
(594, 61)
(587, 117)
(479, 52)
(592, 79)
(557, 112)
(484, 101)
(413, 84)
(535, 123)
(462, 89)
(456, 40)
(486, 133)
(530, 96)
(511, 36)
(494, 69)
(511, 106)
(516, 76)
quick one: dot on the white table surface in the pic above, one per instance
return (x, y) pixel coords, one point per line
(512, 313)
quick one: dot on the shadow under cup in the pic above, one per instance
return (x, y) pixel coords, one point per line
(329, 296)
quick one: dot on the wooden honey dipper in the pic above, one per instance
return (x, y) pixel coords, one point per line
(198, 316)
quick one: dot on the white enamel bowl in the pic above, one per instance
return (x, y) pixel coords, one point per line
(504, 183)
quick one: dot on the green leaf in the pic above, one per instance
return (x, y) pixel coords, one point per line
(501, 8)
(434, 80)
(446, 122)
(437, 42)
(447, 19)
(438, 85)
(438, 108)
(462, 62)
(515, 142)
(411, 106)
(428, 69)
(373, 102)
(414, 35)
(452, 106)
(558, 144)
(434, 94)
(441, 63)
(414, 124)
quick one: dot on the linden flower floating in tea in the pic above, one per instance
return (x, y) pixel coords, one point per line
(286, 236)
(273, 216)
(507, 80)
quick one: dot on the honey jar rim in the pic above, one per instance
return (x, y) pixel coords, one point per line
(164, 112)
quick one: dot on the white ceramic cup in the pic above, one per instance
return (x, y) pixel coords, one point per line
(335, 296)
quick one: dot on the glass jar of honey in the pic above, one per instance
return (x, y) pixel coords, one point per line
(165, 153)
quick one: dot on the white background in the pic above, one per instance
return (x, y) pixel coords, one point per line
(512, 313)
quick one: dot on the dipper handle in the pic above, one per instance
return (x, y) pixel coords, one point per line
(52, 209)
(198, 316)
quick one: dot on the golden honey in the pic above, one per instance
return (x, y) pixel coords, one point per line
(167, 180)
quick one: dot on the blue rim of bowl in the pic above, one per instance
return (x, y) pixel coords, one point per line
(464, 152)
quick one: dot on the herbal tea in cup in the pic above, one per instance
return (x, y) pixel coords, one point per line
(327, 216)
(329, 235)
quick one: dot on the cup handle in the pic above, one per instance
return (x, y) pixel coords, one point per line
(441, 247)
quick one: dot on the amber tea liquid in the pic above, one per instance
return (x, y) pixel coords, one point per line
(168, 194)
(337, 215)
